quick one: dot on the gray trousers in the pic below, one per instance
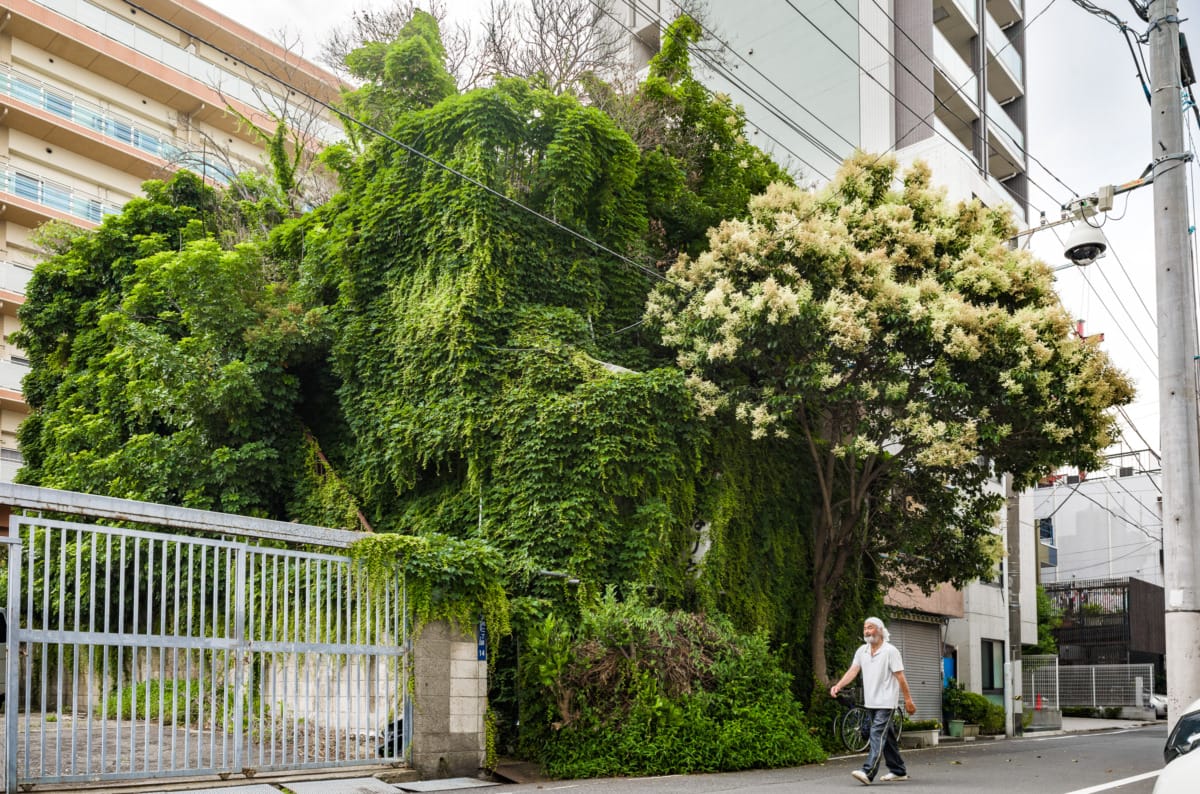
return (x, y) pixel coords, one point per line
(883, 745)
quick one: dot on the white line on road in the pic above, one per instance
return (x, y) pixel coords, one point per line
(1116, 783)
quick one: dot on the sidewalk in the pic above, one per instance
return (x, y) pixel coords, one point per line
(372, 785)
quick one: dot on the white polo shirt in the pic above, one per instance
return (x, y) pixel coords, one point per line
(881, 690)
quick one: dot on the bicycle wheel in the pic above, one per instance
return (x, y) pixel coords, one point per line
(855, 730)
(897, 726)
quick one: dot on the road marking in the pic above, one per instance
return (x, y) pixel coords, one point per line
(1116, 783)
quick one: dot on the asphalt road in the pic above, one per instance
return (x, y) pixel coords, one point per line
(1120, 761)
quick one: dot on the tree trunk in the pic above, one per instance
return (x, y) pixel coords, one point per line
(816, 635)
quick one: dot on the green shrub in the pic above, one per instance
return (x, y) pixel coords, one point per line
(634, 690)
(992, 722)
(1080, 711)
(974, 708)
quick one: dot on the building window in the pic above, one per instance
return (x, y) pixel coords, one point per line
(28, 187)
(1046, 531)
(60, 106)
(992, 666)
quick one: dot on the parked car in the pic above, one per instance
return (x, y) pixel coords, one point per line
(1184, 737)
(1159, 704)
(1179, 776)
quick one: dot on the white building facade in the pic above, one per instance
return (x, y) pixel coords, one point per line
(1104, 525)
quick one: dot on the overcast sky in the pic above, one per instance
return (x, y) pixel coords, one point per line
(1089, 125)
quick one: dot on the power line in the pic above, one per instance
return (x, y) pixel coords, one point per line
(766, 104)
(1104, 563)
(887, 90)
(1110, 311)
(958, 89)
(708, 33)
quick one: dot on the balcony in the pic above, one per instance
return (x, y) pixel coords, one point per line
(1006, 67)
(179, 58)
(37, 200)
(956, 87)
(120, 132)
(1006, 12)
(956, 19)
(1007, 151)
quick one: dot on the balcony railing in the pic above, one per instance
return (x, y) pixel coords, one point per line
(960, 75)
(111, 125)
(967, 9)
(999, 46)
(1000, 118)
(55, 195)
(178, 58)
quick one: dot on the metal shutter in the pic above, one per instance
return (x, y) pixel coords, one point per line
(921, 646)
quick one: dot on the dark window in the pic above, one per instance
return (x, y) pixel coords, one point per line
(58, 105)
(1046, 530)
(120, 130)
(992, 665)
(27, 186)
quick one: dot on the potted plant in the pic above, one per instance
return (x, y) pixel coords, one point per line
(954, 707)
(920, 733)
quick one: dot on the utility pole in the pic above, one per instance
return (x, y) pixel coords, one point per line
(1178, 431)
(1013, 679)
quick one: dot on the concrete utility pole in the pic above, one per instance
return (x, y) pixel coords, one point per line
(1013, 680)
(1177, 364)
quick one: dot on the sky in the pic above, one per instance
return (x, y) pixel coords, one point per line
(1089, 125)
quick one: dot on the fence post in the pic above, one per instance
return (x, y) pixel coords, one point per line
(240, 657)
(12, 663)
(1095, 704)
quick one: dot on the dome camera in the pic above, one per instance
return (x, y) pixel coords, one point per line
(1086, 244)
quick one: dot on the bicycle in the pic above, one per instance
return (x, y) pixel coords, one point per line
(853, 727)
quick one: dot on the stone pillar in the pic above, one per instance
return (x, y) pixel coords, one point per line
(448, 704)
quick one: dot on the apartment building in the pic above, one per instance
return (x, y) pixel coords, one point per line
(942, 81)
(97, 96)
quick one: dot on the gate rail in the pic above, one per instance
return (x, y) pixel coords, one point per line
(196, 650)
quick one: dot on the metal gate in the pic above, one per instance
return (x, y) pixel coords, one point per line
(138, 654)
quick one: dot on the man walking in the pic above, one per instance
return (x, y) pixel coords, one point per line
(883, 683)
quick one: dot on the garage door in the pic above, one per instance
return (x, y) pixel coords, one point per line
(921, 646)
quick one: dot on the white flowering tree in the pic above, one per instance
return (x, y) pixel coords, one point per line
(906, 351)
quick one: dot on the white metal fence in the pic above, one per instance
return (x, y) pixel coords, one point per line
(1106, 685)
(1039, 679)
(140, 654)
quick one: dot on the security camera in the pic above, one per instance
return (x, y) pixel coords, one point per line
(1086, 244)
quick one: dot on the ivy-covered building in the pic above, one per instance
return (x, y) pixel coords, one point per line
(101, 95)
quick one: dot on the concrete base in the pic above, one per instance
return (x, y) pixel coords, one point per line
(449, 703)
(1044, 720)
(915, 739)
